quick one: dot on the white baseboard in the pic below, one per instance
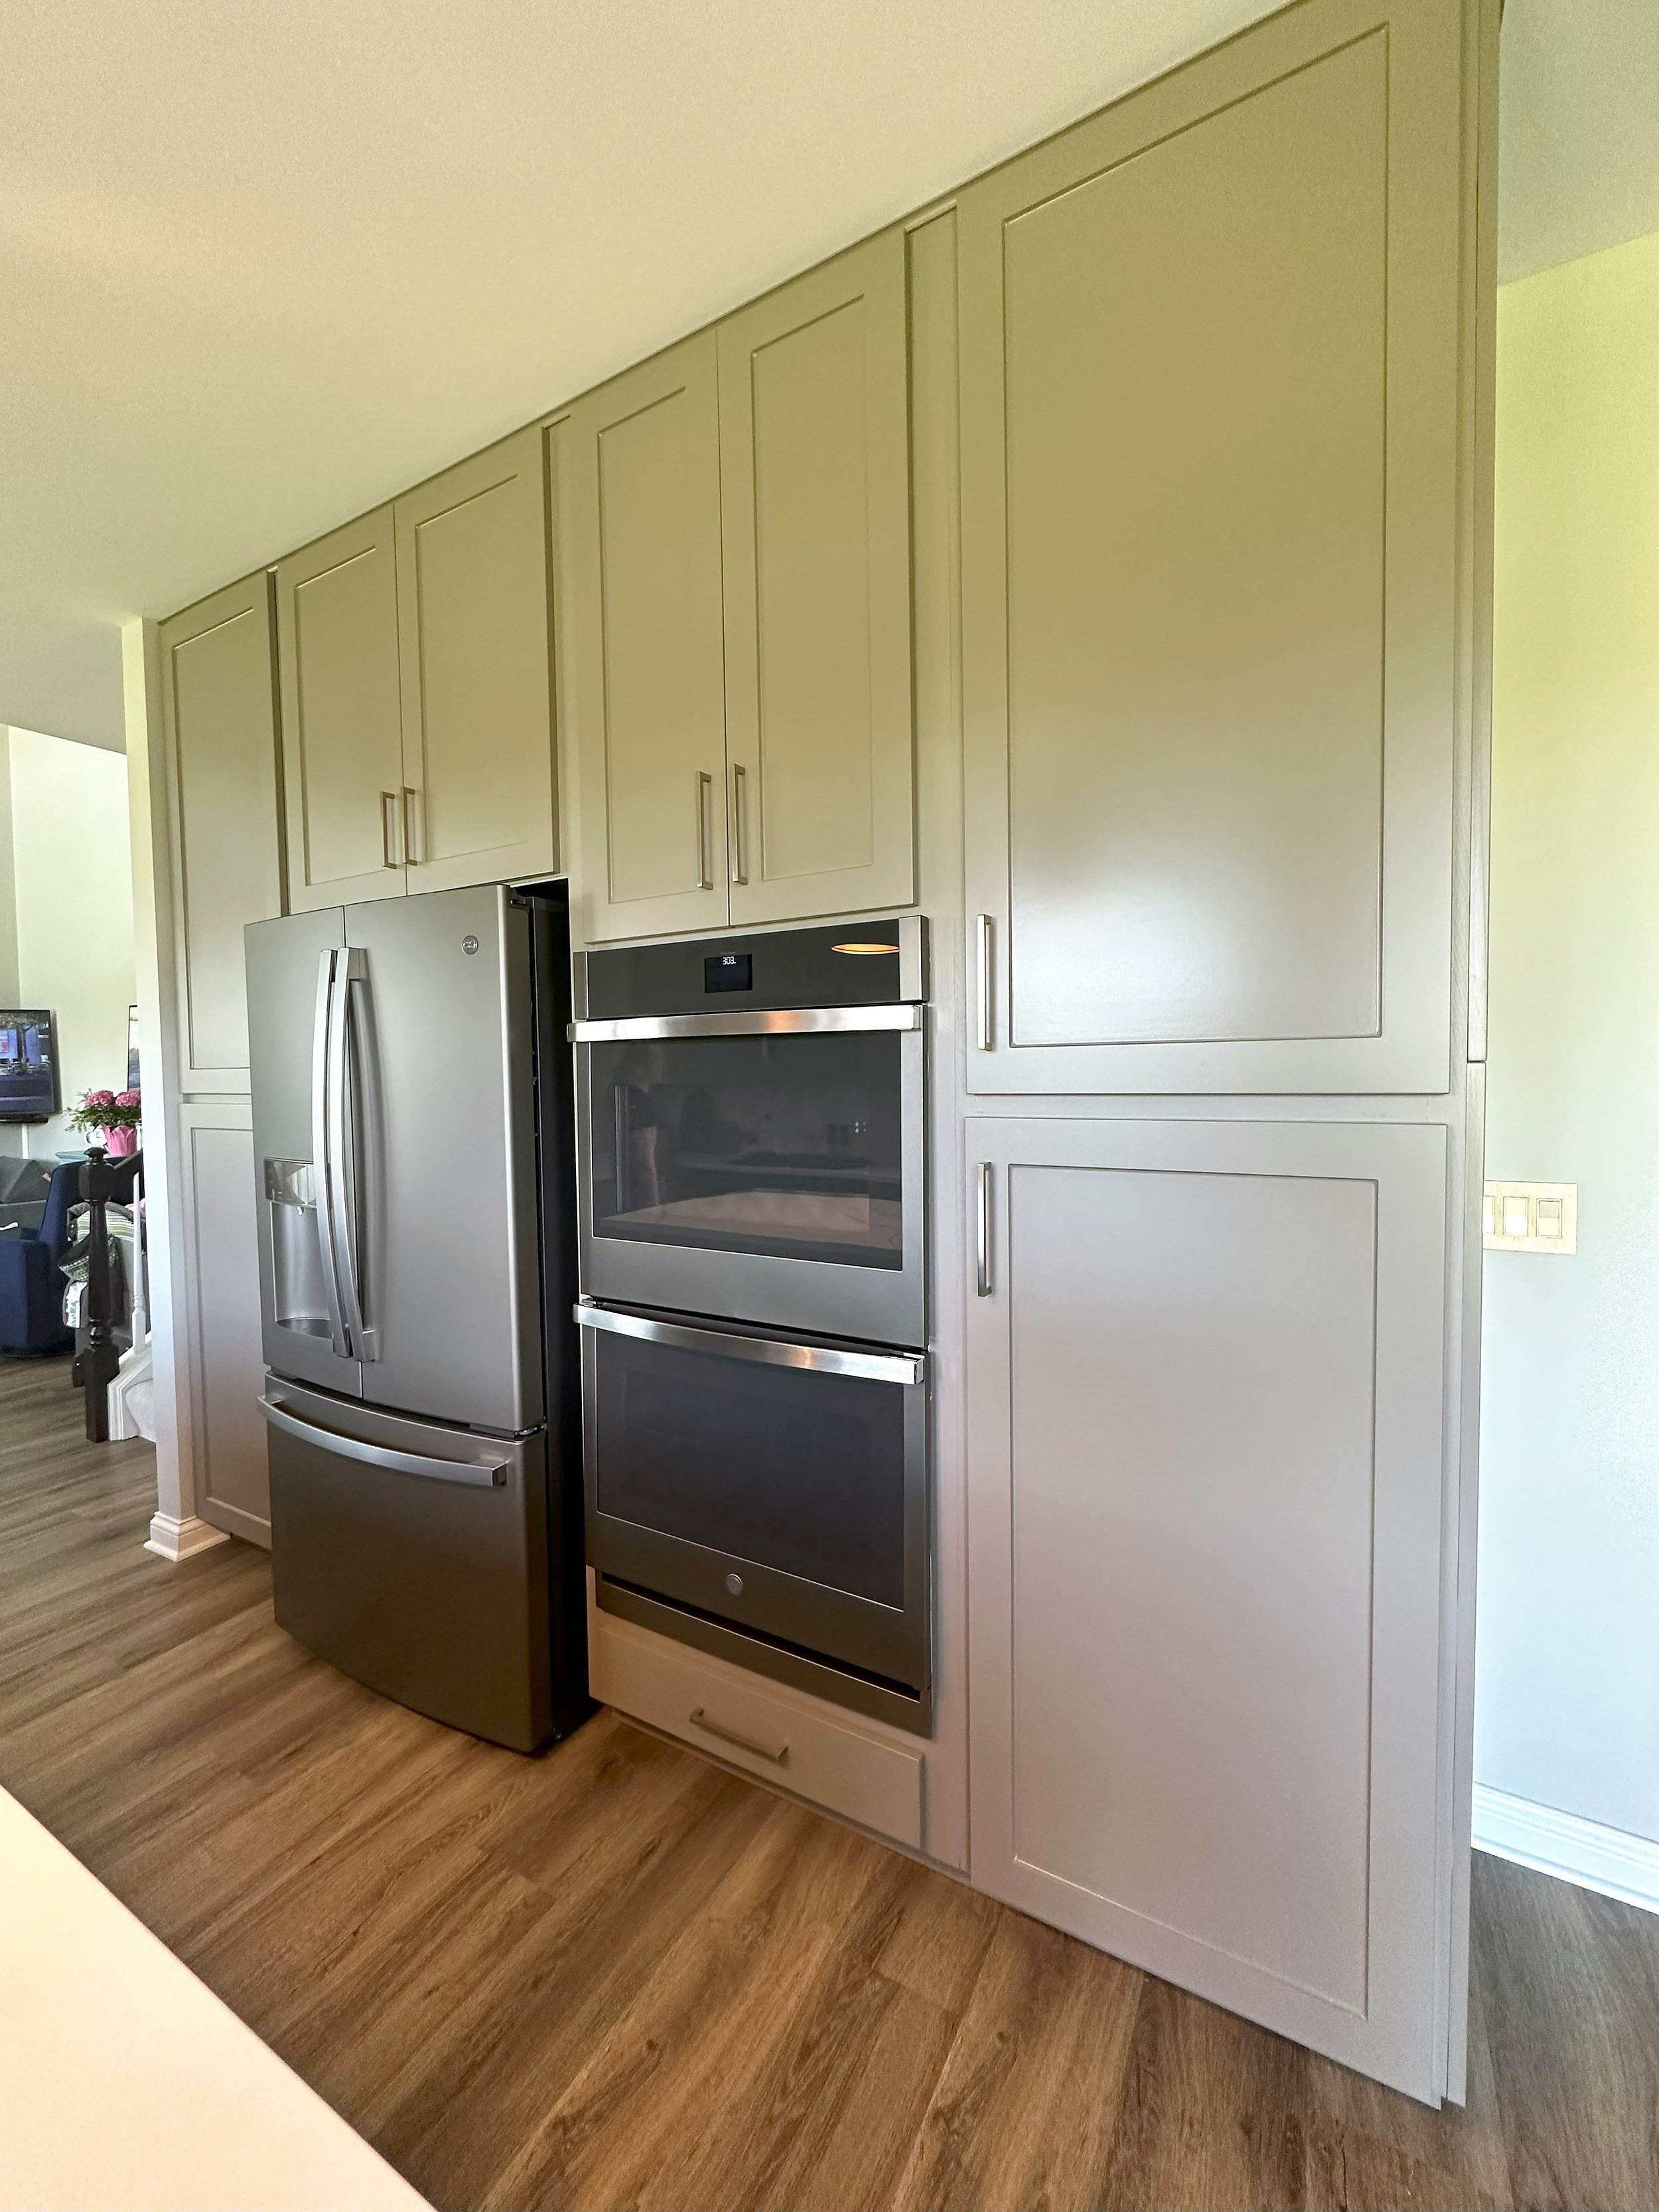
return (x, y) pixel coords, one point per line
(1572, 1849)
(180, 1540)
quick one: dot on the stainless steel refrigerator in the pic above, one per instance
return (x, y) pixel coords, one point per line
(413, 1141)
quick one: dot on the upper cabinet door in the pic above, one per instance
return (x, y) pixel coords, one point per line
(815, 482)
(637, 467)
(477, 801)
(219, 724)
(336, 629)
(1210, 523)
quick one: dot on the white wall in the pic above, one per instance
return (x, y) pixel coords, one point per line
(1567, 1681)
(8, 889)
(72, 869)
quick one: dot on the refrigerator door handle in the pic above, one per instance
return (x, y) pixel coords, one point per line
(345, 1129)
(475, 1474)
(321, 1100)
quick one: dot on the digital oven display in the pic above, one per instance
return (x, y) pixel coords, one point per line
(729, 971)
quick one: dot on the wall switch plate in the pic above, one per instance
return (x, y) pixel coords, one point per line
(1530, 1216)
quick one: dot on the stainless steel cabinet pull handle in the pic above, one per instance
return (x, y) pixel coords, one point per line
(739, 823)
(700, 1719)
(388, 812)
(982, 1228)
(986, 1018)
(705, 801)
(411, 800)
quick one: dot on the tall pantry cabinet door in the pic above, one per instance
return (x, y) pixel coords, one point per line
(1212, 513)
(637, 465)
(816, 487)
(224, 1354)
(219, 735)
(477, 800)
(342, 773)
(1205, 1392)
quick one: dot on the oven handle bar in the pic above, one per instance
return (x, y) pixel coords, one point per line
(764, 1350)
(785, 1021)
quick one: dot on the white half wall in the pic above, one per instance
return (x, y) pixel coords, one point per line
(1567, 1676)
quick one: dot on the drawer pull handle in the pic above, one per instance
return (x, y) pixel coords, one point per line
(777, 1754)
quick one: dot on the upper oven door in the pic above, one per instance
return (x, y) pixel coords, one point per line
(758, 1166)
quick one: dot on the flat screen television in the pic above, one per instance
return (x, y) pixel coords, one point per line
(29, 1089)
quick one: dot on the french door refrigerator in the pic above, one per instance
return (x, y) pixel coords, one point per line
(412, 1137)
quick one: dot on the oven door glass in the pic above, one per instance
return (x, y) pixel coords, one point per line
(783, 1146)
(709, 1465)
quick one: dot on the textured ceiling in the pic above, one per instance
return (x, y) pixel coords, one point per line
(263, 265)
(1578, 133)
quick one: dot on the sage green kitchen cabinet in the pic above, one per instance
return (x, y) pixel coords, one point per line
(417, 732)
(733, 551)
(477, 798)
(343, 743)
(637, 466)
(815, 508)
(1214, 446)
(219, 741)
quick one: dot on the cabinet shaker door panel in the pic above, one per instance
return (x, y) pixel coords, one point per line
(219, 723)
(815, 474)
(637, 470)
(224, 1350)
(1206, 1394)
(337, 631)
(477, 802)
(1211, 409)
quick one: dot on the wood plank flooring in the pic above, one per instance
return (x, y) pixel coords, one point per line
(619, 1976)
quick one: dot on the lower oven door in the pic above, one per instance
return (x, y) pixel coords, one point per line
(777, 1486)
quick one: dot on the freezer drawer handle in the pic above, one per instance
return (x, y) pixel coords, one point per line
(779, 1756)
(482, 1474)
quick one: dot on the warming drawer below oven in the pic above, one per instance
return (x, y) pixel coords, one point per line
(765, 1499)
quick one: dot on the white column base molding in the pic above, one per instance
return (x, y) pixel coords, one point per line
(180, 1540)
(1572, 1849)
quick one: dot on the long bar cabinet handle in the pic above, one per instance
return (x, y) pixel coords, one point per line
(388, 815)
(700, 1719)
(705, 795)
(983, 1230)
(739, 822)
(985, 978)
(411, 801)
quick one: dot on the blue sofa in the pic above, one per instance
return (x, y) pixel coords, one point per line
(31, 1279)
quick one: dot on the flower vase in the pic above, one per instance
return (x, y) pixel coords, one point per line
(119, 1143)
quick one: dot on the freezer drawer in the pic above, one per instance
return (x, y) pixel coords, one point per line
(414, 1557)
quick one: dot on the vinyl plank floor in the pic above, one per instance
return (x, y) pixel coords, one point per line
(618, 1975)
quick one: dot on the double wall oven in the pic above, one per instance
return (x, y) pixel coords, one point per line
(751, 1127)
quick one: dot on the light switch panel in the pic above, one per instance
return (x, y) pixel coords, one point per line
(1530, 1216)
